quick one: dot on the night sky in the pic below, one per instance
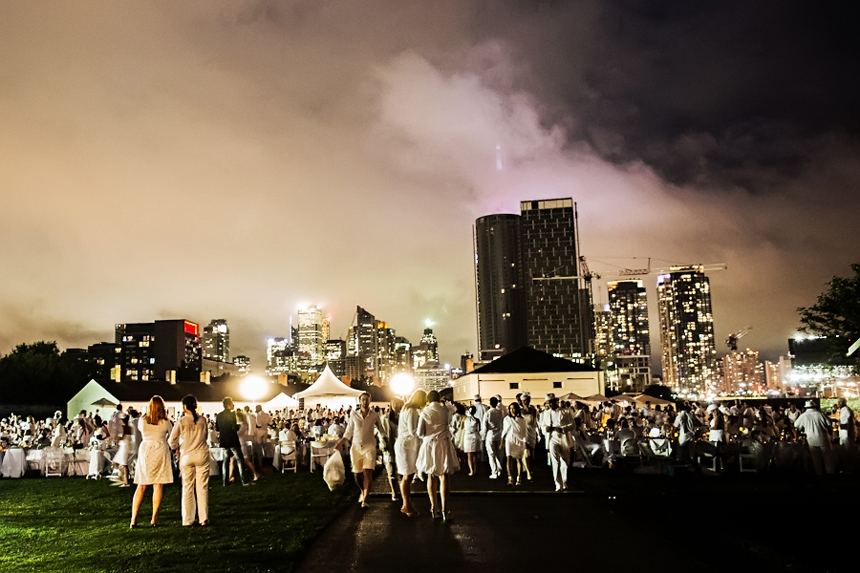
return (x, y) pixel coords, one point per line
(239, 159)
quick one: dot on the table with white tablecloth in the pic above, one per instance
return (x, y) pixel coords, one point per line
(14, 463)
(75, 462)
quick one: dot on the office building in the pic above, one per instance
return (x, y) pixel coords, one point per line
(500, 289)
(426, 351)
(243, 364)
(743, 373)
(687, 331)
(280, 358)
(215, 341)
(530, 262)
(160, 350)
(312, 338)
(628, 305)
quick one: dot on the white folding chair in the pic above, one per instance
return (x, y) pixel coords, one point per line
(54, 460)
(289, 454)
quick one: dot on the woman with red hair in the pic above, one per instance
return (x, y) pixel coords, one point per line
(153, 458)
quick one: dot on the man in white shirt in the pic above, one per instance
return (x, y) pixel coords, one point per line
(556, 428)
(686, 432)
(363, 422)
(818, 429)
(261, 431)
(847, 425)
(491, 429)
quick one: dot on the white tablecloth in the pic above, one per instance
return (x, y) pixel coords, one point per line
(76, 462)
(13, 463)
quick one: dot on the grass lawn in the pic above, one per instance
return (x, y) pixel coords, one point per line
(73, 524)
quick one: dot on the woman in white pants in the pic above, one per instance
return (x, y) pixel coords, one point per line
(189, 436)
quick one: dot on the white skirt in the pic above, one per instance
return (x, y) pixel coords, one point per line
(153, 463)
(437, 457)
(406, 455)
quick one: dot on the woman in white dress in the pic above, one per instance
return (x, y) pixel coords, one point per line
(437, 457)
(406, 447)
(189, 439)
(530, 415)
(514, 436)
(153, 463)
(471, 439)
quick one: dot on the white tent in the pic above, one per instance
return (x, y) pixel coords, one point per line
(328, 391)
(280, 402)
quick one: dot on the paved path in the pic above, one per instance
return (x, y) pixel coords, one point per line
(493, 528)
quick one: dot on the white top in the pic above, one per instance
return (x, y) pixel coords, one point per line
(360, 429)
(189, 436)
(816, 426)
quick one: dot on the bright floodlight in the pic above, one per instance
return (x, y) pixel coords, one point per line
(402, 384)
(253, 388)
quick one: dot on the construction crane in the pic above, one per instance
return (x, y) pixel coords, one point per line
(732, 339)
(588, 275)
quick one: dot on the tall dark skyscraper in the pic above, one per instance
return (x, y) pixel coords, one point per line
(552, 313)
(500, 288)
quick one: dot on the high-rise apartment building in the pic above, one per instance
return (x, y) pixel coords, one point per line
(215, 340)
(743, 372)
(362, 343)
(149, 351)
(537, 253)
(628, 305)
(312, 337)
(687, 330)
(280, 358)
(500, 289)
(604, 348)
(426, 351)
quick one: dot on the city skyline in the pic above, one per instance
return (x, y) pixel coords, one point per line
(168, 161)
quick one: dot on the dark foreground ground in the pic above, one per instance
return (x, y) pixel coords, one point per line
(611, 521)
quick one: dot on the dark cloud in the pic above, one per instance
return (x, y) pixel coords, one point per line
(200, 160)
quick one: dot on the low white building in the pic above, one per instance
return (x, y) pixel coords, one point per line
(527, 369)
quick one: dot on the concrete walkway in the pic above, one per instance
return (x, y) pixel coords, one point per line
(494, 527)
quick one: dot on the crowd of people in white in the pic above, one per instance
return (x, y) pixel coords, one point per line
(429, 438)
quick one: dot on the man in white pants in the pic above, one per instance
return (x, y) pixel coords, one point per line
(360, 431)
(556, 428)
(491, 428)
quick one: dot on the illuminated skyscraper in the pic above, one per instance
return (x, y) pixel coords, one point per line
(426, 351)
(687, 330)
(743, 372)
(312, 337)
(362, 343)
(216, 340)
(628, 305)
(279, 356)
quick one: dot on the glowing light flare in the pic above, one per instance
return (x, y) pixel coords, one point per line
(253, 388)
(402, 384)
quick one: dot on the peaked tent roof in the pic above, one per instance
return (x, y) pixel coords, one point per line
(528, 359)
(327, 385)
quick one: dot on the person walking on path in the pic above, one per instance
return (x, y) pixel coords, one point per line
(514, 435)
(437, 457)
(406, 447)
(360, 431)
(188, 438)
(153, 463)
